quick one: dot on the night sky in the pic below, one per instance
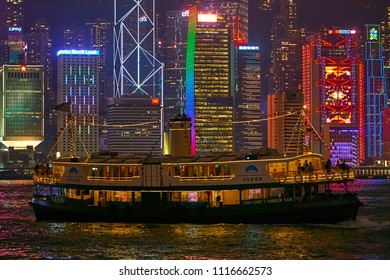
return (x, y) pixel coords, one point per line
(311, 14)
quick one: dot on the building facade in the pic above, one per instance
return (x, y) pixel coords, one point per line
(133, 125)
(175, 49)
(286, 52)
(137, 71)
(248, 125)
(376, 96)
(333, 89)
(21, 105)
(208, 88)
(77, 85)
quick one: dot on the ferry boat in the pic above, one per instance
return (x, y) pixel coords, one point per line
(214, 188)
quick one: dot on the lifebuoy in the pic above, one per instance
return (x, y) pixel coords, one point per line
(330, 175)
(282, 179)
(344, 174)
(298, 178)
(313, 177)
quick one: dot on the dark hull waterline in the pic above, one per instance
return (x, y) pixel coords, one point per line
(338, 209)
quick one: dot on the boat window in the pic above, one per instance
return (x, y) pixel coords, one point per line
(58, 169)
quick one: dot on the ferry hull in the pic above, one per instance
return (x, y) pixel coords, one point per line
(327, 211)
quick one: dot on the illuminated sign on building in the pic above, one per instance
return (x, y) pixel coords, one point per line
(249, 48)
(343, 31)
(372, 32)
(186, 13)
(207, 18)
(15, 29)
(78, 52)
(155, 101)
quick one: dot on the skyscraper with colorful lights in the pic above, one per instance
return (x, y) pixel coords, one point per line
(77, 85)
(376, 95)
(208, 76)
(333, 89)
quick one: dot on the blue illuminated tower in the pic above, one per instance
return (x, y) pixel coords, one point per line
(376, 97)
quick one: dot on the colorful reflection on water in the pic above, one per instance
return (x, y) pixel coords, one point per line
(21, 237)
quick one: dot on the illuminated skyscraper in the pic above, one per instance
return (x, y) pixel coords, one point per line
(208, 89)
(39, 52)
(21, 105)
(333, 89)
(175, 48)
(99, 37)
(248, 133)
(286, 53)
(73, 38)
(266, 5)
(286, 129)
(77, 85)
(136, 69)
(376, 95)
(386, 37)
(235, 13)
(14, 27)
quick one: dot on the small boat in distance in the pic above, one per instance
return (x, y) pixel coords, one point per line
(214, 188)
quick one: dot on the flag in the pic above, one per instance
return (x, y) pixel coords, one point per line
(64, 107)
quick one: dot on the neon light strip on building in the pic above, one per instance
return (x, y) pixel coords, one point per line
(190, 73)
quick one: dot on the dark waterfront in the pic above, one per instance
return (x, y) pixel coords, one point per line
(22, 238)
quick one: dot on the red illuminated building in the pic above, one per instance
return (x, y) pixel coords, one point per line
(333, 89)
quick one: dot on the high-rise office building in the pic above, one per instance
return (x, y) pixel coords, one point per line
(21, 105)
(208, 88)
(77, 85)
(99, 37)
(248, 132)
(286, 53)
(376, 96)
(266, 5)
(137, 71)
(39, 49)
(386, 37)
(14, 27)
(286, 123)
(73, 37)
(333, 79)
(39, 52)
(134, 125)
(175, 48)
(235, 13)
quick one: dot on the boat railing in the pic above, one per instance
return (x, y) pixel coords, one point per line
(46, 178)
(317, 175)
(116, 179)
(206, 178)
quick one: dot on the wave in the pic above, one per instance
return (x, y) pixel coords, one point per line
(360, 222)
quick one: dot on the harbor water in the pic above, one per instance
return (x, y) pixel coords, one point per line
(24, 238)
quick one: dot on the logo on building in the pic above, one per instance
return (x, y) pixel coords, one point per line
(373, 34)
(73, 170)
(251, 169)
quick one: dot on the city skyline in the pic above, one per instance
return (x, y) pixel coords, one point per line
(281, 34)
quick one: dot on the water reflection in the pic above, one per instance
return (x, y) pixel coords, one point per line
(22, 237)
